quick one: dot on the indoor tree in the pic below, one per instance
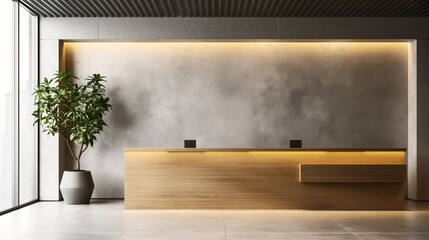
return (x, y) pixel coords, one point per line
(74, 111)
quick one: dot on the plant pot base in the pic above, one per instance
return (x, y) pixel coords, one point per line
(77, 187)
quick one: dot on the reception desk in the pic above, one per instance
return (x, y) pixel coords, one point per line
(247, 178)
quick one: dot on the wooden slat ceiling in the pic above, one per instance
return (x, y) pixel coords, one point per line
(229, 8)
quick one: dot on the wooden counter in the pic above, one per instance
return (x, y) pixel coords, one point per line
(244, 178)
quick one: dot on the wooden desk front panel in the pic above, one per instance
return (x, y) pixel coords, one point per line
(251, 180)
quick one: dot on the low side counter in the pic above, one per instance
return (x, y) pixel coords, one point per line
(245, 178)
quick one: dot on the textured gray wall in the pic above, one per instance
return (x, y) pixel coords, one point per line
(243, 95)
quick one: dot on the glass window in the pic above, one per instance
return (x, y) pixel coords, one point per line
(7, 96)
(27, 83)
(18, 136)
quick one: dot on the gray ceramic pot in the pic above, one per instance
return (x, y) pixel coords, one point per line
(77, 187)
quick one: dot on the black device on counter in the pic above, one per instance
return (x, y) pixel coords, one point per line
(190, 143)
(295, 143)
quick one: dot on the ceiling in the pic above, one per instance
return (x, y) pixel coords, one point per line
(229, 8)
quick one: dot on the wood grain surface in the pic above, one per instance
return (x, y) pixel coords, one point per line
(253, 180)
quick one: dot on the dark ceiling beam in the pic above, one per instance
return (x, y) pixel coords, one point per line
(412, 10)
(163, 8)
(304, 8)
(103, 7)
(405, 8)
(324, 9)
(170, 9)
(225, 8)
(177, 6)
(290, 8)
(258, 6)
(272, 6)
(96, 8)
(349, 10)
(245, 8)
(386, 8)
(359, 8)
(186, 9)
(132, 8)
(155, 7)
(340, 8)
(252, 7)
(375, 9)
(123, 10)
(284, 8)
(235, 7)
(318, 8)
(58, 8)
(35, 8)
(400, 4)
(146, 5)
(194, 11)
(229, 8)
(422, 12)
(48, 9)
(85, 7)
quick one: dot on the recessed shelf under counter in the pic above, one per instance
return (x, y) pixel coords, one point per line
(352, 173)
(264, 178)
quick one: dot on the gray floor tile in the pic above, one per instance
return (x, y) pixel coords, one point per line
(416, 206)
(107, 219)
(199, 234)
(381, 236)
(279, 221)
(74, 236)
(142, 221)
(292, 236)
(4, 236)
(382, 221)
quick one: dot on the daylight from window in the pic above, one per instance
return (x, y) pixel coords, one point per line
(18, 136)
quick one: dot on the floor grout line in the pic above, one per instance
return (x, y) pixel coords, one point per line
(40, 228)
(332, 220)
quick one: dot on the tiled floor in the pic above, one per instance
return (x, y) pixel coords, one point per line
(107, 220)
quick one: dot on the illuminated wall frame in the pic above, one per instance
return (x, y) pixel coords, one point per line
(244, 94)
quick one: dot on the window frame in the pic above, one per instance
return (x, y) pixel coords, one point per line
(17, 7)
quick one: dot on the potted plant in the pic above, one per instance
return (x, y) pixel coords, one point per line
(75, 112)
